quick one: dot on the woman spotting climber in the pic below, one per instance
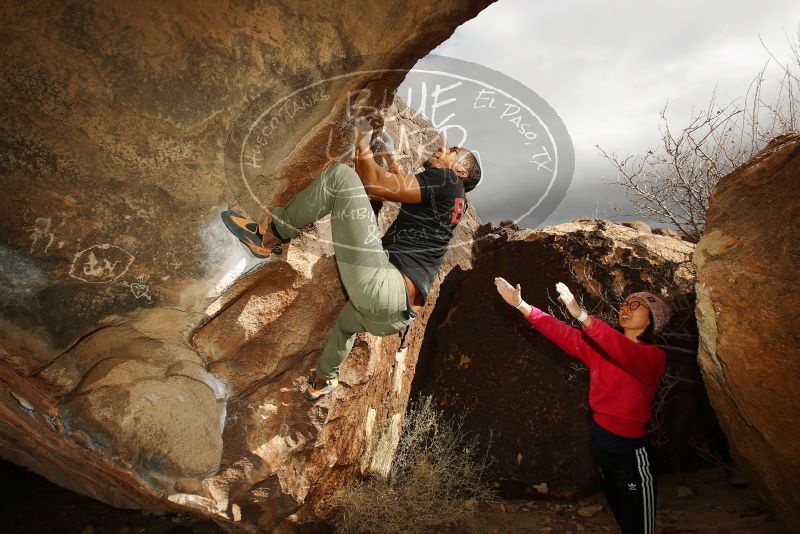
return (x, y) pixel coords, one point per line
(625, 371)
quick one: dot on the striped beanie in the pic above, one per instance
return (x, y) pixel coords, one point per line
(658, 308)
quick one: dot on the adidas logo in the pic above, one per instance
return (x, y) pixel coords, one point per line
(631, 486)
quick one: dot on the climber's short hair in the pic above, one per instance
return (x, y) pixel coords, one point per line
(473, 168)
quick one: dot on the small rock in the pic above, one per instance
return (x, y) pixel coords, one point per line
(685, 491)
(590, 511)
(668, 232)
(737, 479)
(641, 226)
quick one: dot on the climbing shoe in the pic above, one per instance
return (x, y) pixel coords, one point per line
(316, 387)
(247, 231)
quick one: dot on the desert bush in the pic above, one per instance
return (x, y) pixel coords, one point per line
(435, 481)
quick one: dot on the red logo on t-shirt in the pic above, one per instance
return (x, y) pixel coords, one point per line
(458, 211)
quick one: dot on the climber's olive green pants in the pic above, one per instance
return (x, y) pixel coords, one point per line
(377, 290)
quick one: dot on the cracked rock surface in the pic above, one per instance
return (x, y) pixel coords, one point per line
(146, 359)
(747, 292)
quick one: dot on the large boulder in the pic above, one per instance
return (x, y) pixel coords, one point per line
(146, 359)
(747, 301)
(527, 398)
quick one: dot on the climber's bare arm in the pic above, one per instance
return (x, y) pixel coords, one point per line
(392, 184)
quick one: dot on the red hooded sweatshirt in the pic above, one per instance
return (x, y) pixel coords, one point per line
(624, 375)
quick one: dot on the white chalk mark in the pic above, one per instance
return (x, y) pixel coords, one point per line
(139, 288)
(100, 264)
(41, 229)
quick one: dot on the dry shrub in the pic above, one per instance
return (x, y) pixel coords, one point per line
(436, 480)
(673, 183)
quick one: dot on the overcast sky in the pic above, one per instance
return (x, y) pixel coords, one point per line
(608, 68)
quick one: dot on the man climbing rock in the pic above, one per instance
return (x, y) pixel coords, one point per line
(387, 278)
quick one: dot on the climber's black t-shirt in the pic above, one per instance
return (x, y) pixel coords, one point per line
(418, 238)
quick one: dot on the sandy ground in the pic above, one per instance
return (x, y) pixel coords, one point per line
(714, 507)
(30, 504)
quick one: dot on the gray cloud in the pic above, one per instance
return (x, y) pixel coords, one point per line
(609, 68)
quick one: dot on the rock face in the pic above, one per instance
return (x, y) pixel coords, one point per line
(147, 360)
(747, 291)
(480, 354)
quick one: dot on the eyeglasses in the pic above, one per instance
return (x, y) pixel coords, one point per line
(631, 304)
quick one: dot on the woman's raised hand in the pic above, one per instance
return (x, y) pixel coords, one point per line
(512, 295)
(566, 297)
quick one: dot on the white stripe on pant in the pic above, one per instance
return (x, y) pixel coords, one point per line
(643, 464)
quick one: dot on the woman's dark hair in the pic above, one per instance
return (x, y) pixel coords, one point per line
(649, 335)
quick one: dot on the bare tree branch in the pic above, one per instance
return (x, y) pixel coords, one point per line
(673, 183)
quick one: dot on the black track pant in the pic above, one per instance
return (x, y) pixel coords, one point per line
(629, 486)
